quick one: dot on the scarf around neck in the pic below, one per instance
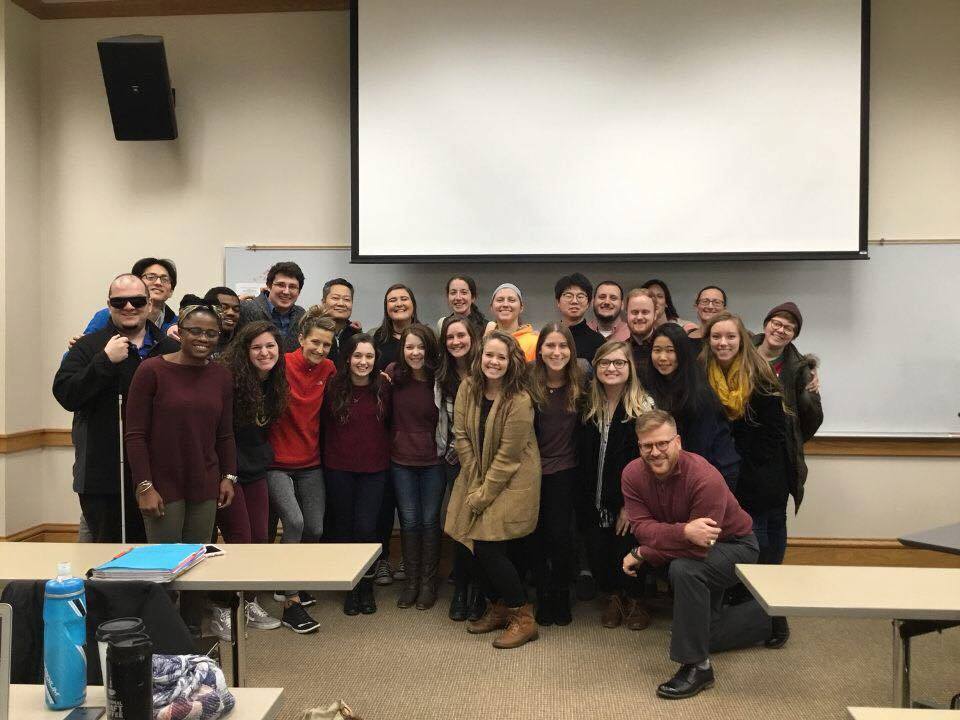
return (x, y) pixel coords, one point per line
(728, 388)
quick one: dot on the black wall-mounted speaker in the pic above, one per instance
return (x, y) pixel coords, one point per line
(138, 87)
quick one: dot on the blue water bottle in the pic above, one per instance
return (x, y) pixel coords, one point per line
(64, 640)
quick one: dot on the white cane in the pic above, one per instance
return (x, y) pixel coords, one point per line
(123, 491)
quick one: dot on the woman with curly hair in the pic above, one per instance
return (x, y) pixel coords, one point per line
(496, 497)
(356, 454)
(260, 394)
(295, 479)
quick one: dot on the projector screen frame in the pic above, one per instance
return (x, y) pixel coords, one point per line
(860, 254)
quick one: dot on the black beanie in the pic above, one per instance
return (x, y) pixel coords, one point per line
(787, 307)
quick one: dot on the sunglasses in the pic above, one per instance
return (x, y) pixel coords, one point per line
(119, 303)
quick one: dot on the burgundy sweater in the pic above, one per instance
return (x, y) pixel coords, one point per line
(659, 509)
(295, 437)
(179, 428)
(413, 425)
(361, 443)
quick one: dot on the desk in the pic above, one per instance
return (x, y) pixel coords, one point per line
(26, 703)
(894, 593)
(866, 713)
(312, 566)
(944, 539)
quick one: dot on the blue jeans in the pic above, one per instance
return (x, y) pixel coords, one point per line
(770, 527)
(419, 493)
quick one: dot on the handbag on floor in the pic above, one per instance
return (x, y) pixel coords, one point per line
(337, 711)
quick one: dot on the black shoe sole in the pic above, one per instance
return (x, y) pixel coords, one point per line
(301, 631)
(684, 696)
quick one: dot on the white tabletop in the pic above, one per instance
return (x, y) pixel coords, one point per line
(870, 713)
(893, 593)
(26, 703)
(314, 566)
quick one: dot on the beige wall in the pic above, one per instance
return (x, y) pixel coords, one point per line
(263, 157)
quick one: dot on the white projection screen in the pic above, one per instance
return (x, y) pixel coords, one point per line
(613, 129)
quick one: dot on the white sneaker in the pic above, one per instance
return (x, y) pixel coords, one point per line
(220, 622)
(258, 619)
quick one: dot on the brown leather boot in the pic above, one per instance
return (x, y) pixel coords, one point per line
(521, 630)
(496, 617)
(411, 542)
(635, 614)
(612, 614)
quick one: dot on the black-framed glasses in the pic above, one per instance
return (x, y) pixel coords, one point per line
(196, 332)
(660, 445)
(153, 277)
(617, 363)
(119, 303)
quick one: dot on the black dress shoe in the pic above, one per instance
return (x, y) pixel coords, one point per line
(779, 633)
(688, 681)
(478, 604)
(458, 605)
(351, 603)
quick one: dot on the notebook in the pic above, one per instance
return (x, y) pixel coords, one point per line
(154, 563)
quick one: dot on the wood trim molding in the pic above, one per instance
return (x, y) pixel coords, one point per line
(884, 447)
(45, 532)
(144, 8)
(33, 439)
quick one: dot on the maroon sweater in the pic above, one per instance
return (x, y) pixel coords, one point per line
(179, 428)
(659, 509)
(361, 443)
(413, 425)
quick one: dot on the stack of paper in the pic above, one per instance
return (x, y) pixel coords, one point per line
(155, 563)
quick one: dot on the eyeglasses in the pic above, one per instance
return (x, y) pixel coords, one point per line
(568, 296)
(119, 303)
(196, 332)
(285, 286)
(707, 302)
(660, 445)
(782, 326)
(153, 277)
(618, 364)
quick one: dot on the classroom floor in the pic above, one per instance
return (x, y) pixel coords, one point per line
(410, 664)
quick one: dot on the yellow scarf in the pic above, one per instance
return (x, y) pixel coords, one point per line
(727, 387)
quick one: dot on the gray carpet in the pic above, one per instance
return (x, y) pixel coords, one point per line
(420, 665)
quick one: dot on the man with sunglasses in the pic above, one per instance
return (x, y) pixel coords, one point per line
(96, 370)
(684, 517)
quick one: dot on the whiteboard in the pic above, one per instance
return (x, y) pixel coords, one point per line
(661, 128)
(886, 329)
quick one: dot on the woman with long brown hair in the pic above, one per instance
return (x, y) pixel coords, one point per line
(496, 496)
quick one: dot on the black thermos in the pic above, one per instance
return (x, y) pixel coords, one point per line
(130, 678)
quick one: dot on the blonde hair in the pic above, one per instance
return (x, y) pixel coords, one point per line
(639, 292)
(652, 419)
(636, 400)
(755, 373)
(316, 318)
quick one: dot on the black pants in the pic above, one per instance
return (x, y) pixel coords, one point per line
(701, 624)
(605, 553)
(551, 544)
(102, 513)
(354, 500)
(497, 574)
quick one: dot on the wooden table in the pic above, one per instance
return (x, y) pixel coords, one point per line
(868, 713)
(898, 594)
(313, 566)
(26, 703)
(945, 538)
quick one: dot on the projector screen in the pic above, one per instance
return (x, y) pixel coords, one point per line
(632, 129)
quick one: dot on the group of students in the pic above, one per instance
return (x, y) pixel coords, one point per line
(266, 410)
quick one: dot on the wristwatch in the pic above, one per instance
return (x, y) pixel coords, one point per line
(636, 554)
(231, 478)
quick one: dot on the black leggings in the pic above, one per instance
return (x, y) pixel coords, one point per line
(605, 552)
(497, 574)
(551, 544)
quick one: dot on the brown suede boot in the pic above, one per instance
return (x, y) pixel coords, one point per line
(496, 617)
(635, 614)
(521, 630)
(612, 614)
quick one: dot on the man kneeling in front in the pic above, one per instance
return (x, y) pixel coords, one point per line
(683, 514)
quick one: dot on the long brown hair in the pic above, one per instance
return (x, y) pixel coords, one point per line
(431, 352)
(514, 380)
(755, 372)
(383, 333)
(572, 373)
(447, 376)
(341, 386)
(255, 401)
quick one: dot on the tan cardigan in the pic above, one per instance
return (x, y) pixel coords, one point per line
(496, 496)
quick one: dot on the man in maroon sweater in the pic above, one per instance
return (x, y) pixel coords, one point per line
(683, 515)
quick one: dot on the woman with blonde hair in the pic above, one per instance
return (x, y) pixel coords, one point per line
(496, 497)
(558, 390)
(751, 396)
(608, 442)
